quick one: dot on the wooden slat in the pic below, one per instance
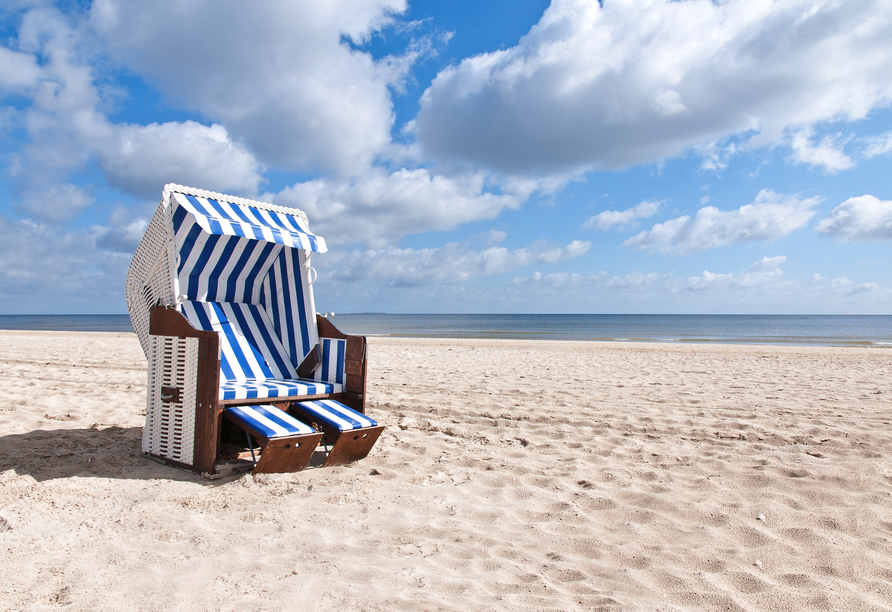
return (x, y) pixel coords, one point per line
(287, 454)
(328, 330)
(355, 348)
(207, 412)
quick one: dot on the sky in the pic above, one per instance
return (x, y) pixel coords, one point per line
(508, 156)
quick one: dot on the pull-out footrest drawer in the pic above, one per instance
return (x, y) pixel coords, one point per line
(286, 444)
(351, 434)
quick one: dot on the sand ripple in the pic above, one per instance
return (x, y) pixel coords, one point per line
(512, 476)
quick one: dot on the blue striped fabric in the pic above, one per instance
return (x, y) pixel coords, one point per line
(337, 415)
(228, 219)
(253, 362)
(215, 268)
(288, 299)
(264, 389)
(331, 369)
(268, 421)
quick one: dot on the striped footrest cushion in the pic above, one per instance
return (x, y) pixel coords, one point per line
(337, 415)
(268, 421)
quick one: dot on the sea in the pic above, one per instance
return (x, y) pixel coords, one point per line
(820, 330)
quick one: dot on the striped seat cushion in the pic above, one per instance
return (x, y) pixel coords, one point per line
(258, 389)
(337, 415)
(268, 421)
(253, 362)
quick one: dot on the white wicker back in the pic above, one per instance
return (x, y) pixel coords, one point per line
(149, 279)
(170, 426)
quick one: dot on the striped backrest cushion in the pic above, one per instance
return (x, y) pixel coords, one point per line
(249, 346)
(331, 369)
(287, 297)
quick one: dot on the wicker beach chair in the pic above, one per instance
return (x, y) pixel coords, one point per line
(220, 294)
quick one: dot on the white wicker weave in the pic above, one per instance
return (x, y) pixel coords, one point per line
(170, 426)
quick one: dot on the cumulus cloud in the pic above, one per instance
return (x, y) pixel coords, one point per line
(382, 206)
(863, 288)
(764, 272)
(623, 219)
(44, 270)
(771, 216)
(280, 75)
(630, 82)
(67, 129)
(453, 263)
(138, 159)
(826, 154)
(20, 70)
(56, 203)
(862, 219)
(878, 145)
(557, 281)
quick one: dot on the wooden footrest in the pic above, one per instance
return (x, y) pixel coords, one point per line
(286, 444)
(351, 434)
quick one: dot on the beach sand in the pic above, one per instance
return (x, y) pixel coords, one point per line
(513, 475)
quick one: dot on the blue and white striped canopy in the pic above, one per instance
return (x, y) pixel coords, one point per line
(225, 252)
(219, 218)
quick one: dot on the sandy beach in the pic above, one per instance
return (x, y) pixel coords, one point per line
(513, 475)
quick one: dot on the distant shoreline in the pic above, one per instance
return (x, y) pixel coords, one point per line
(873, 331)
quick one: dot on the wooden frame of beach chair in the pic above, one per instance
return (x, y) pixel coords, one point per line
(350, 434)
(219, 292)
(286, 444)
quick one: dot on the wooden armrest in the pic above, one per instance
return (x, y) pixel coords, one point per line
(167, 321)
(310, 363)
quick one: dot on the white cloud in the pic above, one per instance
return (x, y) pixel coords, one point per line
(878, 145)
(452, 263)
(139, 159)
(56, 203)
(630, 82)
(623, 219)
(380, 207)
(862, 219)
(761, 287)
(557, 281)
(122, 238)
(843, 285)
(19, 71)
(277, 74)
(763, 273)
(771, 216)
(826, 154)
(67, 128)
(715, 155)
(863, 288)
(45, 270)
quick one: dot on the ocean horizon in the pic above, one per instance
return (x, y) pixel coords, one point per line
(820, 330)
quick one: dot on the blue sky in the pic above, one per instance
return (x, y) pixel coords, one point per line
(503, 156)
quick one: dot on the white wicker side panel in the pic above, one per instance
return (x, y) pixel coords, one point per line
(149, 278)
(170, 426)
